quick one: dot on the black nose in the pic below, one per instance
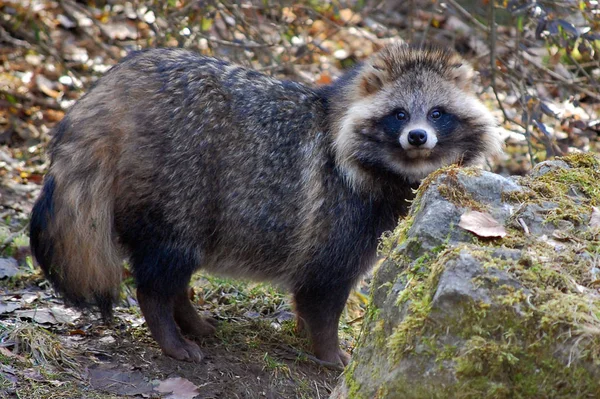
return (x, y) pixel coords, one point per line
(417, 137)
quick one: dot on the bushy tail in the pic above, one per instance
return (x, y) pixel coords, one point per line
(72, 227)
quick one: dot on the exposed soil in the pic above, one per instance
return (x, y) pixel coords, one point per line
(250, 357)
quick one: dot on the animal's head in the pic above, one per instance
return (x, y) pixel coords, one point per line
(410, 111)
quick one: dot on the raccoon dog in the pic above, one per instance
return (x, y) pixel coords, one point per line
(179, 162)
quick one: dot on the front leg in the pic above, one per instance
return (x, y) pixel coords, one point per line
(318, 308)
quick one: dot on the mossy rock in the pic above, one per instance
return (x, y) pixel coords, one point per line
(454, 315)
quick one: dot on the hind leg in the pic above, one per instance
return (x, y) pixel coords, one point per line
(159, 315)
(162, 272)
(188, 320)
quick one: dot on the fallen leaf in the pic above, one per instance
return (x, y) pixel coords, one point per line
(9, 373)
(481, 224)
(283, 315)
(179, 388)
(66, 22)
(8, 267)
(117, 381)
(347, 15)
(33, 374)
(595, 219)
(107, 340)
(29, 297)
(120, 30)
(35, 178)
(54, 315)
(9, 307)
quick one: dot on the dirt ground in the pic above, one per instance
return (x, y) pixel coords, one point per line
(49, 351)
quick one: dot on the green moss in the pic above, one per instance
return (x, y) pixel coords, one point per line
(519, 196)
(415, 299)
(351, 383)
(432, 178)
(582, 160)
(575, 190)
(514, 357)
(451, 189)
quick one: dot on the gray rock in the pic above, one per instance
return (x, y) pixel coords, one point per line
(547, 166)
(463, 280)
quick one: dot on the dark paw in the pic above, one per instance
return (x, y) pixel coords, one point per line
(336, 357)
(212, 321)
(195, 326)
(198, 328)
(184, 350)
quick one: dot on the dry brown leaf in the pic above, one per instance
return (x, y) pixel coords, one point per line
(46, 86)
(324, 79)
(52, 115)
(347, 16)
(179, 388)
(481, 224)
(595, 219)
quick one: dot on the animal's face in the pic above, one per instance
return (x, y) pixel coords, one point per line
(414, 113)
(420, 123)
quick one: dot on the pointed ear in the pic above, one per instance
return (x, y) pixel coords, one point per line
(373, 76)
(461, 73)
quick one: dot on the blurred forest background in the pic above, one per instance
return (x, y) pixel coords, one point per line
(539, 71)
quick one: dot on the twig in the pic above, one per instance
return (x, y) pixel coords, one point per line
(425, 31)
(41, 47)
(468, 15)
(493, 58)
(313, 46)
(36, 101)
(563, 80)
(528, 135)
(235, 44)
(584, 72)
(68, 6)
(7, 38)
(524, 226)
(13, 208)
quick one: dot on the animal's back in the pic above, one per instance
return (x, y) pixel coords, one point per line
(213, 157)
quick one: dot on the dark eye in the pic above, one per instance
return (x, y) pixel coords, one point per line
(401, 115)
(436, 114)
